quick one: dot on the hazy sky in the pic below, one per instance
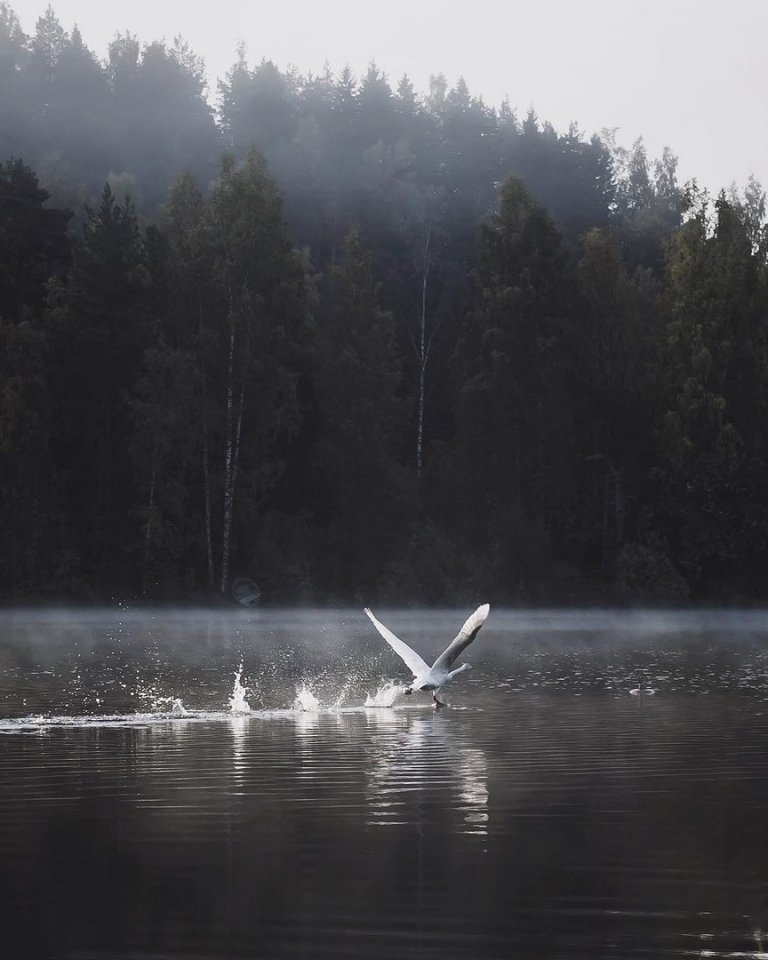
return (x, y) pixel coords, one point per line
(690, 74)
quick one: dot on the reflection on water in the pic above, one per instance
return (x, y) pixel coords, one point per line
(557, 810)
(422, 756)
(238, 726)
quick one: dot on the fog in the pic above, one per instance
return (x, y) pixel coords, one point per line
(470, 351)
(687, 75)
(132, 664)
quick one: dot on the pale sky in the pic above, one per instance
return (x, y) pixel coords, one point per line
(689, 74)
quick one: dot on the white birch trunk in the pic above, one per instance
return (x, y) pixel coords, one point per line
(206, 470)
(236, 457)
(207, 493)
(228, 458)
(422, 353)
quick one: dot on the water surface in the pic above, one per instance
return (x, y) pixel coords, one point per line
(597, 788)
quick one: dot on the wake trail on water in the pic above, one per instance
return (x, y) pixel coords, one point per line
(166, 709)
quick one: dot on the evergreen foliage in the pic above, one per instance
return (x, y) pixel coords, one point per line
(389, 344)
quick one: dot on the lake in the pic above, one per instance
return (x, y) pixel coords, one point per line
(206, 784)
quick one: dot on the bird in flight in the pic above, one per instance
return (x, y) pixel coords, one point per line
(435, 677)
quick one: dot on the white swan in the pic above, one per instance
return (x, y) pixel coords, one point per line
(434, 677)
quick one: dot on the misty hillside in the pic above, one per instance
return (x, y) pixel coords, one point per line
(352, 339)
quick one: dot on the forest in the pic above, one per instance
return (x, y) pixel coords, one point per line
(358, 342)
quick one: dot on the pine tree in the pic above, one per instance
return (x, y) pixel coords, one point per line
(33, 241)
(99, 330)
(615, 357)
(259, 286)
(165, 409)
(357, 377)
(28, 480)
(515, 443)
(712, 441)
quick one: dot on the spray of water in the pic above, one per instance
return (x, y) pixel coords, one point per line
(306, 700)
(237, 702)
(385, 696)
(339, 701)
(165, 705)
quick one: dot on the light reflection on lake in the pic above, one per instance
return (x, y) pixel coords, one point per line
(548, 813)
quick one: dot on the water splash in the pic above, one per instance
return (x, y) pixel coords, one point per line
(306, 700)
(237, 702)
(385, 696)
(150, 696)
(339, 701)
(164, 705)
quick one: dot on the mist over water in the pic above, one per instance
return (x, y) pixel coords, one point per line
(100, 662)
(252, 783)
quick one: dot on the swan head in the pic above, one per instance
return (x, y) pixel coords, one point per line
(461, 669)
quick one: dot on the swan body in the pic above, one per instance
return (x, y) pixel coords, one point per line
(433, 678)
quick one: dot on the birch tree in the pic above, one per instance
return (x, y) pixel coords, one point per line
(188, 323)
(259, 286)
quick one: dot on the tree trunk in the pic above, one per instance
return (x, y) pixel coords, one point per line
(229, 461)
(206, 471)
(150, 514)
(423, 350)
(207, 490)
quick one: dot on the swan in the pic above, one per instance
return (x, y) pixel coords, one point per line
(435, 677)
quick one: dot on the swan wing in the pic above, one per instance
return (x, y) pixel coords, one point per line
(411, 659)
(464, 637)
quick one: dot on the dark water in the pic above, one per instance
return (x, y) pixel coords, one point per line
(548, 813)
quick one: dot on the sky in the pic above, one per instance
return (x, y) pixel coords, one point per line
(688, 74)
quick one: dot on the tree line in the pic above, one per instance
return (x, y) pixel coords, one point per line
(352, 341)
